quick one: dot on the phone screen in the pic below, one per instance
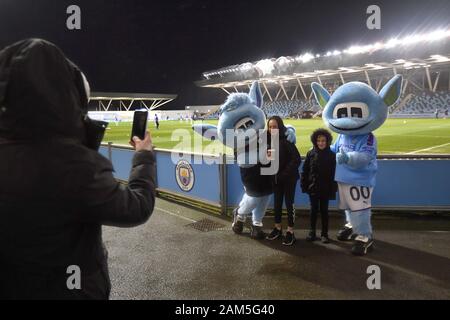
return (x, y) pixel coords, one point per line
(139, 124)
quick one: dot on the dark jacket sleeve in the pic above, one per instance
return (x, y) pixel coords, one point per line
(293, 163)
(304, 179)
(109, 202)
(334, 185)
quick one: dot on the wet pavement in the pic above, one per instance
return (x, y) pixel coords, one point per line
(169, 259)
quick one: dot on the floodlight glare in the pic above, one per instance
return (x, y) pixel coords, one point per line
(438, 35)
(413, 39)
(266, 66)
(354, 50)
(246, 66)
(305, 57)
(392, 43)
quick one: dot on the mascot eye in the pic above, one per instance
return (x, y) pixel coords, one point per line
(356, 112)
(342, 113)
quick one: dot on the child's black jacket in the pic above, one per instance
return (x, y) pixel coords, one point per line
(317, 177)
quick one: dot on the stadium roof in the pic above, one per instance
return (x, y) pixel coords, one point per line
(427, 52)
(126, 100)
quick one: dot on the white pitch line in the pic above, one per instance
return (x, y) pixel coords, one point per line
(176, 215)
(431, 148)
(426, 136)
(387, 152)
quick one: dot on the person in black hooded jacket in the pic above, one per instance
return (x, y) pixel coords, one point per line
(285, 181)
(317, 180)
(56, 190)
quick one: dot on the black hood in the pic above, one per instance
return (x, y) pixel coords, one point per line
(42, 94)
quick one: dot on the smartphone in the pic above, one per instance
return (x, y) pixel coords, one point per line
(95, 131)
(270, 154)
(139, 124)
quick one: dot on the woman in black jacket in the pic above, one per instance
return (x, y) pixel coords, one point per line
(284, 181)
(56, 189)
(318, 180)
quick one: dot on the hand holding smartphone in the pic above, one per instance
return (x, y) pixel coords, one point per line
(139, 130)
(139, 125)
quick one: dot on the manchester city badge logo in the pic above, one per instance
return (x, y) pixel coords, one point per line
(184, 174)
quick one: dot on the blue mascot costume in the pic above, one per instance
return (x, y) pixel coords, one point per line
(354, 111)
(241, 119)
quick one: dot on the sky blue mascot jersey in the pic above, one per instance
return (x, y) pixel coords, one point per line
(364, 176)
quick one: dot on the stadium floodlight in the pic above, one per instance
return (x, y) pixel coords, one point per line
(360, 49)
(282, 64)
(304, 58)
(354, 50)
(438, 35)
(246, 66)
(377, 46)
(392, 43)
(413, 39)
(266, 66)
(282, 60)
(409, 40)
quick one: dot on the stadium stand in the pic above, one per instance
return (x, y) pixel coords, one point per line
(282, 108)
(289, 108)
(212, 116)
(425, 103)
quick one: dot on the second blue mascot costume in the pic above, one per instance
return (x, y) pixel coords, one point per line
(240, 118)
(354, 111)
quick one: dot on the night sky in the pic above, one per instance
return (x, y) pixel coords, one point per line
(164, 46)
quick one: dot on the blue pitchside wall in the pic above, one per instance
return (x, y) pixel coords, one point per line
(400, 183)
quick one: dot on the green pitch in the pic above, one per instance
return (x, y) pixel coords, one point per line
(396, 136)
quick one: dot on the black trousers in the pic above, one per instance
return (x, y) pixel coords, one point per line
(319, 204)
(285, 190)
